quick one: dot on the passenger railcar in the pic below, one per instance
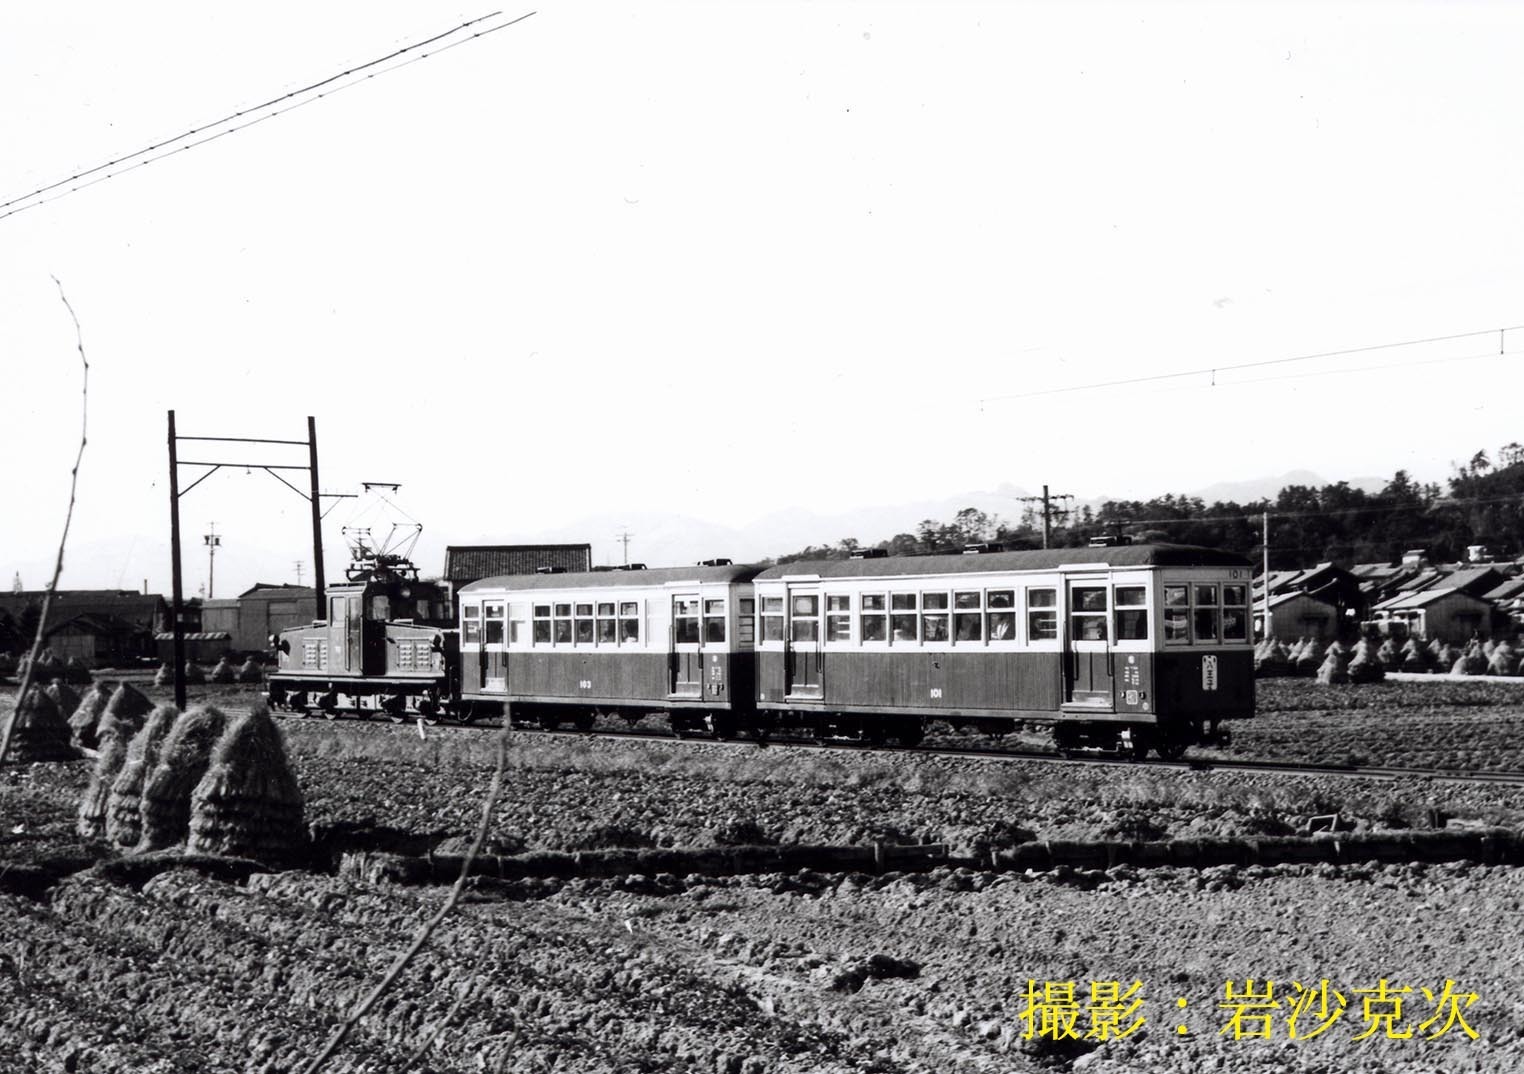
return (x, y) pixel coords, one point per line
(1131, 647)
(553, 648)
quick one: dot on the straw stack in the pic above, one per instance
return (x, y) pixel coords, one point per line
(248, 804)
(1504, 659)
(1366, 665)
(224, 672)
(124, 825)
(88, 713)
(64, 696)
(193, 673)
(251, 671)
(183, 760)
(1335, 669)
(75, 671)
(164, 677)
(39, 731)
(119, 724)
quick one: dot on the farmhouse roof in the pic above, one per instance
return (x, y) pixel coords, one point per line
(1422, 599)
(467, 563)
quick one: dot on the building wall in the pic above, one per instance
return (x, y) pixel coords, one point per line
(1304, 616)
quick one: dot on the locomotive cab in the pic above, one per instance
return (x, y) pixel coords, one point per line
(387, 643)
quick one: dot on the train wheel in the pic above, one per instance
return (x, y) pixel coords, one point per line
(583, 721)
(910, 733)
(1173, 749)
(329, 704)
(721, 725)
(1140, 746)
(548, 721)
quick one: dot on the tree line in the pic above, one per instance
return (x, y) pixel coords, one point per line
(1482, 503)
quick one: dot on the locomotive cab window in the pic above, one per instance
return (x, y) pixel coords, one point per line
(1131, 612)
(1087, 613)
(1042, 614)
(746, 622)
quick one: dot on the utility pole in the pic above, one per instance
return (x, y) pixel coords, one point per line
(1265, 580)
(298, 572)
(624, 538)
(211, 540)
(1049, 512)
(176, 593)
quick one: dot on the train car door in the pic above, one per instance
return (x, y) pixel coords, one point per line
(473, 661)
(687, 646)
(343, 634)
(802, 644)
(1087, 644)
(494, 654)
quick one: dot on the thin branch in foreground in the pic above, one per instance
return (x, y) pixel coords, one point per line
(422, 938)
(47, 599)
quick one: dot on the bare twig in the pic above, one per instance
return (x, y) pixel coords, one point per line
(47, 599)
(422, 938)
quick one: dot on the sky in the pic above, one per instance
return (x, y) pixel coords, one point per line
(721, 265)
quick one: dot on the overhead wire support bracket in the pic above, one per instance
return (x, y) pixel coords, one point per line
(314, 497)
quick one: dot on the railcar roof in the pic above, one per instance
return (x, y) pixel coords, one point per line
(617, 579)
(1123, 555)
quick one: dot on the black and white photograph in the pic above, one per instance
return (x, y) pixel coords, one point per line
(762, 538)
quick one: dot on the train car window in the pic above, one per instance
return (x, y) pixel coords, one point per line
(1042, 614)
(1206, 596)
(966, 600)
(685, 621)
(934, 627)
(1205, 623)
(772, 618)
(493, 625)
(584, 609)
(1131, 612)
(563, 610)
(471, 624)
(584, 631)
(1088, 605)
(1177, 630)
(563, 624)
(1001, 598)
(805, 617)
(871, 623)
(629, 622)
(1235, 614)
(838, 617)
(902, 602)
(542, 624)
(903, 627)
(746, 621)
(714, 621)
(1000, 625)
(968, 626)
(934, 601)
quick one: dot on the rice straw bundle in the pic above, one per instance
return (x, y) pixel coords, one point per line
(64, 696)
(124, 824)
(183, 760)
(164, 677)
(119, 723)
(1335, 669)
(88, 713)
(248, 803)
(1366, 665)
(224, 672)
(193, 673)
(39, 730)
(124, 715)
(251, 671)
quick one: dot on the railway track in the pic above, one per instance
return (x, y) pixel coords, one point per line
(994, 753)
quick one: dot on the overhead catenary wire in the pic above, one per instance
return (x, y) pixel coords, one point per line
(1213, 371)
(220, 127)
